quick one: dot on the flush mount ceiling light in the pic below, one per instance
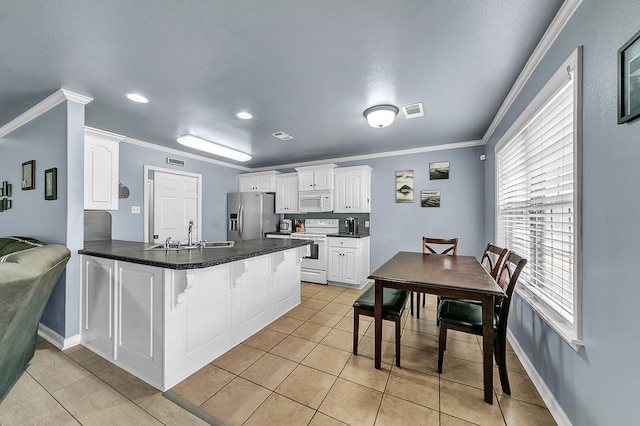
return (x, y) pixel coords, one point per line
(213, 148)
(380, 116)
(244, 115)
(135, 97)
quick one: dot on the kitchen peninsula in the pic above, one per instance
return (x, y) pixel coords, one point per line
(163, 314)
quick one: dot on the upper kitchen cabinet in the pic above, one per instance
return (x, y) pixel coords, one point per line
(258, 182)
(352, 191)
(315, 178)
(287, 193)
(101, 162)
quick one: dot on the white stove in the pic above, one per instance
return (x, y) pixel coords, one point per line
(314, 266)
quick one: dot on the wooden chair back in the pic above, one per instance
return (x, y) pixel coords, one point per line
(493, 259)
(507, 279)
(439, 246)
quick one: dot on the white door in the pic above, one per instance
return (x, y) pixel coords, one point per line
(175, 203)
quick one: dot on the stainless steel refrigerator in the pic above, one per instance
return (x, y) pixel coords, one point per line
(250, 215)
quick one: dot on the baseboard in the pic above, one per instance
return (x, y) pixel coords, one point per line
(57, 340)
(547, 396)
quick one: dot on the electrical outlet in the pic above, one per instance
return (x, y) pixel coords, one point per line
(366, 223)
(135, 209)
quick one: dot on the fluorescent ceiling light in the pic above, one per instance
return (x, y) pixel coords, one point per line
(380, 116)
(244, 115)
(213, 148)
(135, 97)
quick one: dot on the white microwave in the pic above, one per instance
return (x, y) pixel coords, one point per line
(315, 201)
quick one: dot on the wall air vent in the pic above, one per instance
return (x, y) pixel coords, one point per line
(175, 162)
(413, 110)
(282, 136)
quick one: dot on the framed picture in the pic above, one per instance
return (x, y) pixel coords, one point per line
(404, 186)
(29, 175)
(629, 80)
(439, 170)
(51, 184)
(430, 198)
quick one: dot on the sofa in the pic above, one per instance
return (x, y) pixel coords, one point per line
(29, 270)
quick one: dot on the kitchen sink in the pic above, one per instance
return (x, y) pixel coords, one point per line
(203, 244)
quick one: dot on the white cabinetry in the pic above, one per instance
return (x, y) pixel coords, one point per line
(352, 190)
(348, 261)
(315, 178)
(101, 160)
(258, 182)
(287, 193)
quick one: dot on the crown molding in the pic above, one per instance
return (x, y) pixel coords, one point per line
(105, 134)
(55, 99)
(561, 19)
(442, 147)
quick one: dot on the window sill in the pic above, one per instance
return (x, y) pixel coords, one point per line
(564, 330)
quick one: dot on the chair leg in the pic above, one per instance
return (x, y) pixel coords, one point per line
(398, 341)
(424, 300)
(356, 321)
(442, 345)
(502, 365)
(412, 303)
(418, 305)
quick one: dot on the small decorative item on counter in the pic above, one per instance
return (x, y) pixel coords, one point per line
(299, 225)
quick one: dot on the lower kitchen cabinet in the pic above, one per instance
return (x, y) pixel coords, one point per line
(348, 261)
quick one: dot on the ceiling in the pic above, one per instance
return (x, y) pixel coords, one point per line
(308, 68)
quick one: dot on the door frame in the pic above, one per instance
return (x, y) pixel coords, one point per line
(148, 197)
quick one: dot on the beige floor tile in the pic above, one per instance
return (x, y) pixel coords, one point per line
(325, 296)
(333, 289)
(307, 386)
(447, 420)
(238, 359)
(520, 413)
(467, 403)
(293, 348)
(234, 403)
(522, 388)
(388, 331)
(56, 371)
(93, 402)
(417, 360)
(285, 324)
(201, 385)
(316, 304)
(339, 339)
(169, 413)
(313, 332)
(337, 308)
(465, 337)
(422, 389)
(463, 371)
(325, 318)
(422, 341)
(308, 292)
(395, 411)
(44, 349)
(366, 350)
(269, 371)
(361, 371)
(280, 411)
(301, 313)
(265, 339)
(327, 359)
(28, 403)
(128, 385)
(323, 420)
(513, 363)
(422, 325)
(351, 403)
(346, 324)
(90, 360)
(464, 350)
(345, 299)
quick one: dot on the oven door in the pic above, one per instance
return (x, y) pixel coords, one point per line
(318, 257)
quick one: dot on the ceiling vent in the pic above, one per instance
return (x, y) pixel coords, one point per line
(282, 136)
(175, 162)
(413, 110)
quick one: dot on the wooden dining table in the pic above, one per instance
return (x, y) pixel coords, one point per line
(460, 277)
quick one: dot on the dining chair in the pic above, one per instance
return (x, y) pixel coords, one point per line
(393, 302)
(493, 258)
(434, 246)
(460, 315)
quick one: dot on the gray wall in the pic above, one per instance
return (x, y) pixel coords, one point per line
(600, 384)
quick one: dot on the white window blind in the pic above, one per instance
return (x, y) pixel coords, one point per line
(536, 199)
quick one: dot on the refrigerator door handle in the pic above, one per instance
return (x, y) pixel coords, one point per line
(240, 219)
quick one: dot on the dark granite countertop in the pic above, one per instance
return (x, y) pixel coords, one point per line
(347, 235)
(136, 252)
(278, 233)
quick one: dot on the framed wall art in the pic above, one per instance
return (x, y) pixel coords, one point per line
(439, 170)
(51, 184)
(29, 175)
(629, 80)
(404, 186)
(430, 198)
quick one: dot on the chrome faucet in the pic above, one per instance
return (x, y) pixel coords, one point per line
(190, 238)
(166, 243)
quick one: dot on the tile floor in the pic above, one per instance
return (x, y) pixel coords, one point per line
(299, 370)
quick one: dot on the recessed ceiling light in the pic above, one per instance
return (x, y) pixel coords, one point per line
(207, 146)
(137, 98)
(244, 115)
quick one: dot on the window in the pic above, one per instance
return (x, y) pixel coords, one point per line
(537, 203)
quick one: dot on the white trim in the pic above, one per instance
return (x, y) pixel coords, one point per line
(57, 340)
(36, 111)
(105, 134)
(410, 151)
(547, 396)
(563, 16)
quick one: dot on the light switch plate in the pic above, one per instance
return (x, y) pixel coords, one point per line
(366, 223)
(135, 209)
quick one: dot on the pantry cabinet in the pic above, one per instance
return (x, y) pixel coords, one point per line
(287, 193)
(315, 178)
(348, 261)
(258, 182)
(101, 167)
(352, 190)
